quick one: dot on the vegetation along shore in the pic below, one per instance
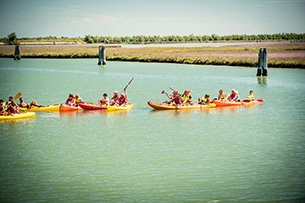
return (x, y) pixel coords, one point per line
(285, 53)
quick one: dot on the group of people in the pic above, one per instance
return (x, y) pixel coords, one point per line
(73, 100)
(11, 107)
(180, 99)
(186, 99)
(234, 96)
(116, 100)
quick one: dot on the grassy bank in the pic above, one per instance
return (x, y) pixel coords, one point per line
(288, 55)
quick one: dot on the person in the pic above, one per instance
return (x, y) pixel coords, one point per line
(187, 97)
(11, 106)
(104, 100)
(234, 96)
(176, 98)
(251, 95)
(70, 101)
(3, 111)
(78, 100)
(24, 105)
(204, 100)
(221, 95)
(122, 99)
(114, 98)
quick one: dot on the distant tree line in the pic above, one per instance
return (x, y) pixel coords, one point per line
(157, 39)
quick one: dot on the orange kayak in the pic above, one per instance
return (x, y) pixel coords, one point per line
(163, 106)
(242, 102)
(64, 107)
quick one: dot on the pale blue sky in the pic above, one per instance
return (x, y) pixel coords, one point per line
(77, 18)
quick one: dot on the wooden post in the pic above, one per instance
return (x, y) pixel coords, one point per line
(101, 55)
(17, 53)
(262, 62)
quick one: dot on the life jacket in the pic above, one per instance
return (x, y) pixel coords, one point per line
(222, 96)
(186, 97)
(251, 97)
(122, 100)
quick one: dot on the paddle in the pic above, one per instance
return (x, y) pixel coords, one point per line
(260, 100)
(173, 89)
(248, 100)
(18, 95)
(128, 84)
(163, 92)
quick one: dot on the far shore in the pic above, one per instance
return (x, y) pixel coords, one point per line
(280, 55)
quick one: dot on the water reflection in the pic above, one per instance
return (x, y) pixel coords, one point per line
(262, 80)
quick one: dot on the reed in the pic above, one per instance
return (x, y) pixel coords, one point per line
(289, 55)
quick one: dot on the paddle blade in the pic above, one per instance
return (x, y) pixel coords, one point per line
(246, 100)
(162, 92)
(260, 100)
(18, 95)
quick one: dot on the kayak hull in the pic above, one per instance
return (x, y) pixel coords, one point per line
(92, 107)
(120, 108)
(244, 102)
(64, 107)
(43, 108)
(163, 106)
(227, 103)
(18, 116)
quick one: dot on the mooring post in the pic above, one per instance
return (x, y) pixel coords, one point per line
(17, 53)
(101, 55)
(265, 62)
(262, 62)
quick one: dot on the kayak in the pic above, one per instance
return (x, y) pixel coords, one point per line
(18, 116)
(227, 103)
(163, 106)
(43, 108)
(88, 106)
(242, 102)
(64, 107)
(120, 108)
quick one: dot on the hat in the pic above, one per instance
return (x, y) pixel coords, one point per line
(188, 91)
(116, 92)
(234, 90)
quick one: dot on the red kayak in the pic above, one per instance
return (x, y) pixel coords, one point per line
(88, 106)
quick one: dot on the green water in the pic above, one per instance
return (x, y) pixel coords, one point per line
(241, 154)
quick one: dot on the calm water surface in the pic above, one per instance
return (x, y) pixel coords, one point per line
(241, 154)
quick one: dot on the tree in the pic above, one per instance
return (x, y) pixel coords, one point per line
(12, 38)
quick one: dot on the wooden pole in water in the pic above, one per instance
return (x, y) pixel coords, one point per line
(17, 53)
(101, 55)
(262, 62)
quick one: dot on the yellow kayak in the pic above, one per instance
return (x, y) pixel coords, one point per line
(43, 108)
(18, 116)
(120, 108)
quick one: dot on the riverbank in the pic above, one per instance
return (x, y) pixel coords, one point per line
(280, 55)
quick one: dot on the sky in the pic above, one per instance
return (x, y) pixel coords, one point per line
(78, 18)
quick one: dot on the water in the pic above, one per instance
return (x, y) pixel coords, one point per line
(238, 154)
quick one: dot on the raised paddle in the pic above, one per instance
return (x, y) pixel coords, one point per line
(18, 95)
(163, 92)
(173, 89)
(128, 84)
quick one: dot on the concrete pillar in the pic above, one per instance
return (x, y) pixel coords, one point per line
(262, 62)
(17, 55)
(101, 55)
